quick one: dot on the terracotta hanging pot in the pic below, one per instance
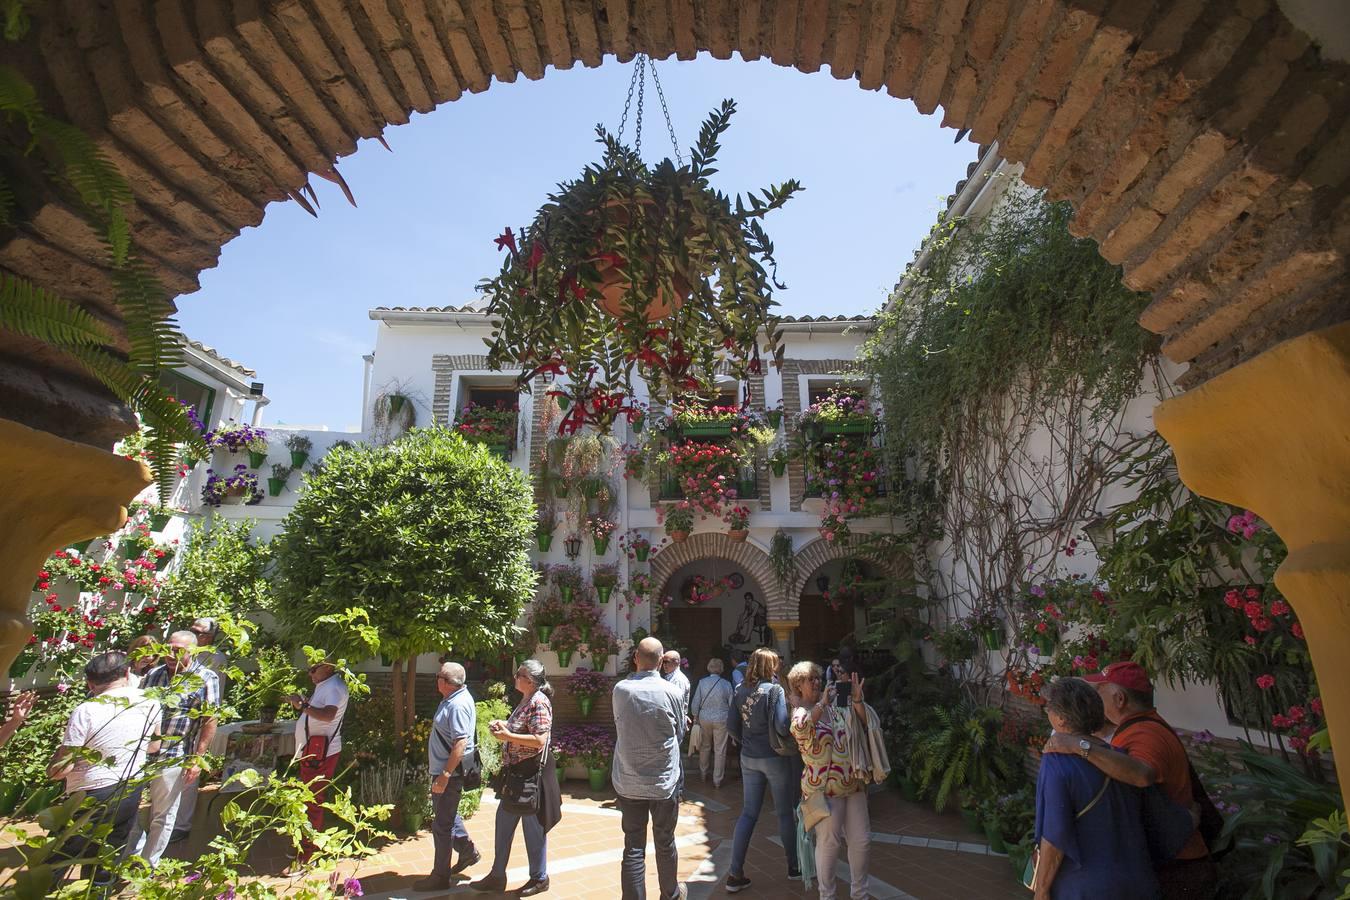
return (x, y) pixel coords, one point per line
(737, 536)
(614, 287)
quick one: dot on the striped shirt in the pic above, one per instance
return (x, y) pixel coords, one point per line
(197, 691)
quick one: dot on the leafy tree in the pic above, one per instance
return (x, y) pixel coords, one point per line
(429, 535)
(223, 574)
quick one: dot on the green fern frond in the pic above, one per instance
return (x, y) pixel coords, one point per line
(155, 342)
(18, 97)
(98, 182)
(7, 202)
(39, 314)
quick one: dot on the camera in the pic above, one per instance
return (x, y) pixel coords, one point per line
(843, 690)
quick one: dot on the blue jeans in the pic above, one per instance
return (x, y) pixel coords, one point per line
(776, 772)
(536, 843)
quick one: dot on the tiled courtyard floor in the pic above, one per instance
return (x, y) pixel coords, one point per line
(915, 853)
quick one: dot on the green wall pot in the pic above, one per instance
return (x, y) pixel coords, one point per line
(543, 631)
(779, 467)
(993, 638)
(562, 773)
(564, 401)
(603, 592)
(995, 836)
(597, 778)
(584, 704)
(708, 429)
(846, 428)
(1045, 646)
(275, 486)
(601, 545)
(10, 792)
(638, 424)
(566, 592)
(747, 488)
(298, 458)
(565, 658)
(162, 562)
(560, 491)
(642, 553)
(545, 541)
(775, 417)
(256, 459)
(159, 521)
(585, 630)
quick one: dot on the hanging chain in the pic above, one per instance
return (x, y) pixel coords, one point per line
(670, 126)
(639, 81)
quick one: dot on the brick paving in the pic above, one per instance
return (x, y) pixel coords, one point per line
(915, 853)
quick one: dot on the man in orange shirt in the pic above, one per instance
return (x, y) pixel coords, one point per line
(1153, 754)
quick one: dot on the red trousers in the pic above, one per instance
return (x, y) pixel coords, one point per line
(317, 774)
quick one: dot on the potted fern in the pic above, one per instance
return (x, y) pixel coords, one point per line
(637, 270)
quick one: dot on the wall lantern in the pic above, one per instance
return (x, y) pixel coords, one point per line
(1101, 532)
(572, 546)
(823, 583)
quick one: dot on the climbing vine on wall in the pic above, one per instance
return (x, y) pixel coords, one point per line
(1004, 366)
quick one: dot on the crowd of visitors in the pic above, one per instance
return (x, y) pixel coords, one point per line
(1120, 812)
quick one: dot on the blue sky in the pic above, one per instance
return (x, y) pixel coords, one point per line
(289, 298)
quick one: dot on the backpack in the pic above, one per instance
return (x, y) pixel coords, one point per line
(1211, 820)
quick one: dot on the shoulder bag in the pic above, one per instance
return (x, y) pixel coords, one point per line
(1029, 873)
(1211, 820)
(782, 744)
(519, 787)
(470, 766)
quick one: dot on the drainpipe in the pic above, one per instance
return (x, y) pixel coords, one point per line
(369, 359)
(259, 403)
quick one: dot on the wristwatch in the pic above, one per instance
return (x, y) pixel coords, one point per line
(1084, 747)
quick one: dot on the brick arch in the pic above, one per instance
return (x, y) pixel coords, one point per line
(715, 545)
(1201, 143)
(820, 551)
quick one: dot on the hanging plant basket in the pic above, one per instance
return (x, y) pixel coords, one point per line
(642, 551)
(638, 423)
(992, 638)
(636, 271)
(396, 402)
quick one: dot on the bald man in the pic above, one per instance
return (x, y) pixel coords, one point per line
(649, 716)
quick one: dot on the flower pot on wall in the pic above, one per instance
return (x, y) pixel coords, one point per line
(601, 545)
(162, 562)
(779, 467)
(233, 494)
(585, 629)
(603, 591)
(597, 778)
(747, 487)
(564, 401)
(642, 553)
(545, 541)
(775, 417)
(707, 429)
(992, 638)
(738, 536)
(560, 490)
(565, 658)
(543, 632)
(298, 458)
(679, 537)
(832, 428)
(584, 705)
(159, 521)
(567, 592)
(256, 459)
(275, 486)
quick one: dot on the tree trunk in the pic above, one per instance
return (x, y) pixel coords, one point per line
(396, 687)
(409, 700)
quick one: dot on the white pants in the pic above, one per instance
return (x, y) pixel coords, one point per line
(714, 744)
(848, 823)
(187, 807)
(166, 793)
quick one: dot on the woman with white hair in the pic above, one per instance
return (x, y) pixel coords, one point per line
(709, 708)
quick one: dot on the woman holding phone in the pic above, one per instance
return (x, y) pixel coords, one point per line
(820, 726)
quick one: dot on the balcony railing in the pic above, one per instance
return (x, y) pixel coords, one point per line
(669, 487)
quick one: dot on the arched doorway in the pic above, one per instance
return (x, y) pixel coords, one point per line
(716, 606)
(833, 611)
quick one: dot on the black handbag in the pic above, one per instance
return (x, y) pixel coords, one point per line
(519, 786)
(470, 768)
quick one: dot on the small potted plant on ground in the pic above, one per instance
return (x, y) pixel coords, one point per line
(678, 521)
(587, 684)
(544, 526)
(416, 802)
(277, 483)
(565, 640)
(548, 614)
(600, 528)
(595, 755)
(300, 447)
(738, 523)
(605, 576)
(568, 580)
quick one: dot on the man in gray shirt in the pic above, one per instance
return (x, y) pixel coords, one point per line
(450, 756)
(649, 716)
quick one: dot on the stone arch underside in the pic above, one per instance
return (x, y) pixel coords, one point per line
(716, 545)
(819, 551)
(1204, 144)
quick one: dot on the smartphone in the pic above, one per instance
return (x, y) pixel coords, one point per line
(842, 691)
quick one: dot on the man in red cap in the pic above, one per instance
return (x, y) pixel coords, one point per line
(1153, 754)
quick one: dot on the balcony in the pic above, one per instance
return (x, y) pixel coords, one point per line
(669, 488)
